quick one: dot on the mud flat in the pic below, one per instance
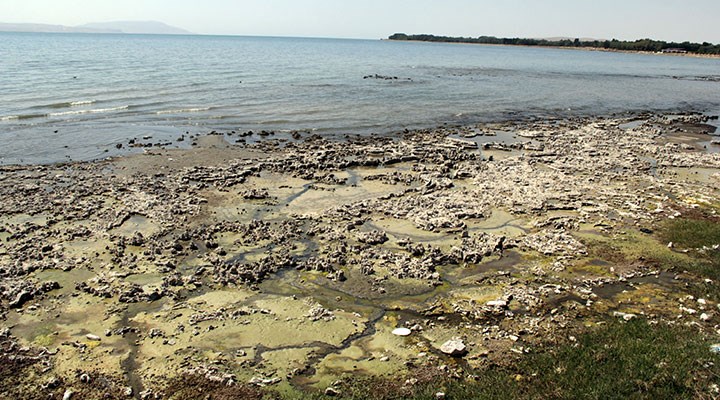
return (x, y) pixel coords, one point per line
(290, 262)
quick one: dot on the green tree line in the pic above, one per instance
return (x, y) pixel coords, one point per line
(614, 44)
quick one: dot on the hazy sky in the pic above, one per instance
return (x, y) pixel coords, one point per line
(694, 20)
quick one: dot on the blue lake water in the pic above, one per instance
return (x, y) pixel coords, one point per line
(74, 96)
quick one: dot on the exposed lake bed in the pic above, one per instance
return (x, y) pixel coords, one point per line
(291, 262)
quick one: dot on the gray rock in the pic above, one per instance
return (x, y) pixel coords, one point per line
(22, 298)
(332, 392)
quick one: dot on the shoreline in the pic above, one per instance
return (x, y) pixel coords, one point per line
(139, 145)
(290, 265)
(692, 55)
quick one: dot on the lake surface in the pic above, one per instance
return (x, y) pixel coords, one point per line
(75, 96)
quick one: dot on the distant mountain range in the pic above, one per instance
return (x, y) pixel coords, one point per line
(140, 27)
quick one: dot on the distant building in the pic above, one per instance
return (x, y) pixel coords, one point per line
(674, 50)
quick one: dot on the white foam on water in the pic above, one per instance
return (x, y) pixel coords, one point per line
(184, 110)
(94, 111)
(81, 103)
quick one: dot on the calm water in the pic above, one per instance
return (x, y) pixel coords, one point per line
(100, 90)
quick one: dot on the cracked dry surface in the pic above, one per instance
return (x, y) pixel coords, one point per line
(289, 263)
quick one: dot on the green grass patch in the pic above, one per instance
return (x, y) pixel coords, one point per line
(691, 233)
(624, 360)
(615, 361)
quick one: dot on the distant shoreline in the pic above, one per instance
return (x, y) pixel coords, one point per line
(642, 46)
(692, 55)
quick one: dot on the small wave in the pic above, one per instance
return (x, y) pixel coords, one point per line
(82, 103)
(66, 104)
(21, 117)
(94, 111)
(184, 110)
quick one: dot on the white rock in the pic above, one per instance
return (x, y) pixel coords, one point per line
(625, 316)
(92, 337)
(705, 317)
(402, 332)
(68, 394)
(496, 303)
(454, 348)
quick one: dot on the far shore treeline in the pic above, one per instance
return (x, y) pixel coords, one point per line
(614, 44)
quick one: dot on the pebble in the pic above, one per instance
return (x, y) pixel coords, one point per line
(496, 303)
(401, 332)
(625, 316)
(94, 338)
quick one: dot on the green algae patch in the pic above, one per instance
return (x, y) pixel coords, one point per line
(137, 224)
(398, 229)
(631, 245)
(221, 297)
(381, 353)
(500, 222)
(592, 268)
(473, 296)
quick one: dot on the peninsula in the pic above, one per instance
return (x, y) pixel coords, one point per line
(640, 45)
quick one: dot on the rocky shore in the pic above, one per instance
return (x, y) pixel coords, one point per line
(291, 261)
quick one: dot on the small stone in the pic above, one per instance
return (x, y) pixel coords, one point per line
(94, 338)
(68, 394)
(705, 317)
(625, 316)
(384, 359)
(332, 392)
(402, 332)
(440, 395)
(496, 303)
(128, 391)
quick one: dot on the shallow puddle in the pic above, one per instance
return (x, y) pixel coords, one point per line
(137, 224)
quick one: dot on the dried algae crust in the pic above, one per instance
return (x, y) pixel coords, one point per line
(290, 263)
